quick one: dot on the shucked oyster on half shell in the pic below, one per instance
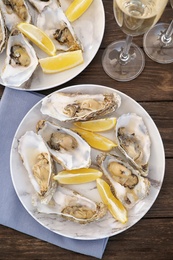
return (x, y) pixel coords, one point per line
(39, 165)
(73, 206)
(3, 33)
(126, 182)
(65, 146)
(133, 140)
(14, 12)
(21, 60)
(53, 21)
(76, 106)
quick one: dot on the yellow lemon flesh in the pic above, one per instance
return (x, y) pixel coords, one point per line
(115, 206)
(99, 125)
(77, 176)
(77, 8)
(61, 62)
(38, 37)
(95, 140)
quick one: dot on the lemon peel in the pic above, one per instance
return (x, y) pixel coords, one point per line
(98, 125)
(77, 8)
(38, 37)
(95, 140)
(77, 176)
(61, 62)
(115, 206)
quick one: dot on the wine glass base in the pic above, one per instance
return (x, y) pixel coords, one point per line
(123, 71)
(153, 46)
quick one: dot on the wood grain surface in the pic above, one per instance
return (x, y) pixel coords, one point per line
(152, 237)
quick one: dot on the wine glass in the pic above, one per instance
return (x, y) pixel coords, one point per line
(158, 42)
(124, 60)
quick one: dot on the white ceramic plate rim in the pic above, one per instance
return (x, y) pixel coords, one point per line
(106, 227)
(90, 30)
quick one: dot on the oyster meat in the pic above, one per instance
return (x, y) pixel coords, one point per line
(73, 206)
(21, 60)
(65, 146)
(53, 21)
(76, 106)
(3, 33)
(133, 140)
(14, 12)
(126, 182)
(39, 165)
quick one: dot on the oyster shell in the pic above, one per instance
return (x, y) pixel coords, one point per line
(133, 140)
(3, 33)
(126, 182)
(73, 206)
(21, 60)
(39, 165)
(40, 5)
(53, 21)
(14, 12)
(66, 147)
(76, 106)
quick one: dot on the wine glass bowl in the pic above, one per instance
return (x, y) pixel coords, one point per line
(124, 60)
(134, 17)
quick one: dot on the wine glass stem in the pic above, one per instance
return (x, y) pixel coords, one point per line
(166, 37)
(124, 55)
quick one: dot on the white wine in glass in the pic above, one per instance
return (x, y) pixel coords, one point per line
(124, 60)
(158, 42)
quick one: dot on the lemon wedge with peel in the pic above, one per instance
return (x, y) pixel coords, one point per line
(77, 176)
(95, 140)
(37, 36)
(61, 62)
(99, 125)
(115, 206)
(77, 8)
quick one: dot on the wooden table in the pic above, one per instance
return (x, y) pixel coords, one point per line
(152, 237)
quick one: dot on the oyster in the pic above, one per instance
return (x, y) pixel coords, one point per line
(76, 106)
(3, 33)
(53, 21)
(133, 140)
(126, 182)
(66, 147)
(39, 165)
(21, 60)
(14, 12)
(73, 206)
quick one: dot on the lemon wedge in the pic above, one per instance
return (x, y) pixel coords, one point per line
(99, 125)
(38, 37)
(115, 206)
(95, 140)
(77, 8)
(77, 176)
(61, 62)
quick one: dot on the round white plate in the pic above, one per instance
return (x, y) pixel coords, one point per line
(89, 28)
(107, 226)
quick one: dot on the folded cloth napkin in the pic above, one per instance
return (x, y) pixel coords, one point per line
(13, 107)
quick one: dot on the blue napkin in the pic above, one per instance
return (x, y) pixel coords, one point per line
(13, 107)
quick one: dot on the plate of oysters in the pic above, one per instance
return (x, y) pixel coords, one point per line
(19, 58)
(78, 178)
